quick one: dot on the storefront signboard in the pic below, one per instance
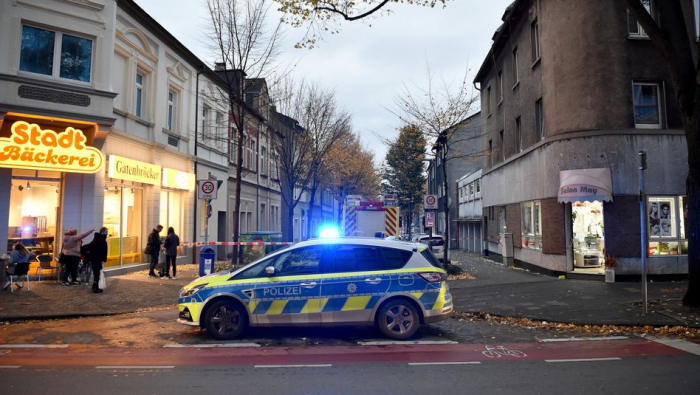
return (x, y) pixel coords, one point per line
(585, 185)
(33, 148)
(132, 170)
(178, 179)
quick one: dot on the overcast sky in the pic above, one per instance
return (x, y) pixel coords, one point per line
(367, 65)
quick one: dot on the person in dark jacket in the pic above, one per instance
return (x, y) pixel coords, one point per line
(97, 256)
(153, 249)
(172, 241)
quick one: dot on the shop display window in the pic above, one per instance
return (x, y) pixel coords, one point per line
(588, 225)
(666, 218)
(531, 225)
(122, 218)
(33, 216)
(171, 211)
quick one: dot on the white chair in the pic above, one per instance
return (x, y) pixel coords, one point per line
(21, 270)
(45, 264)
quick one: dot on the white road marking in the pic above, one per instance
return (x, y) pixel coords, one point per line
(135, 367)
(584, 360)
(295, 366)
(212, 345)
(403, 343)
(679, 344)
(443, 363)
(10, 366)
(34, 345)
(583, 339)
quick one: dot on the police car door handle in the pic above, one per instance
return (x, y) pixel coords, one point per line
(373, 280)
(309, 285)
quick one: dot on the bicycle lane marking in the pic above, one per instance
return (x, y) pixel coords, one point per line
(334, 354)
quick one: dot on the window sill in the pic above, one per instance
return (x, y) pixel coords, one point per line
(176, 135)
(535, 63)
(140, 120)
(643, 126)
(635, 38)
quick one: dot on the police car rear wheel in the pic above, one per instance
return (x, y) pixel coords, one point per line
(398, 319)
(226, 320)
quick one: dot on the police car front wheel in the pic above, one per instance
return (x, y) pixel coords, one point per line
(226, 320)
(398, 319)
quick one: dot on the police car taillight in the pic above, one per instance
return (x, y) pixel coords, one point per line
(433, 277)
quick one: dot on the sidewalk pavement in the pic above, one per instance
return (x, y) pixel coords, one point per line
(507, 291)
(497, 290)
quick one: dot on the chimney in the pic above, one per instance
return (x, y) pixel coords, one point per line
(219, 66)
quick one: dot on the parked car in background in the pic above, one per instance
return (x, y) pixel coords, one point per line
(435, 242)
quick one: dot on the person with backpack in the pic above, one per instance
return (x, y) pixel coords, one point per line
(19, 255)
(70, 254)
(96, 255)
(172, 241)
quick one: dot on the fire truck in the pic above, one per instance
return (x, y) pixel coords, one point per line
(371, 218)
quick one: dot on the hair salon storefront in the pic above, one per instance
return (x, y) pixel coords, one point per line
(47, 169)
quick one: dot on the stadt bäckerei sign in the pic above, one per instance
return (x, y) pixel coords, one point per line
(30, 147)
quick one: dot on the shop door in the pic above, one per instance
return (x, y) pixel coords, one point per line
(588, 231)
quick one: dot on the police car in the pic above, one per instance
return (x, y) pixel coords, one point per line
(341, 281)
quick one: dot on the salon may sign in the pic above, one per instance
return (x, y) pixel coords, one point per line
(30, 147)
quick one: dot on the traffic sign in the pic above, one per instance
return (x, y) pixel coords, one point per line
(207, 189)
(429, 219)
(430, 202)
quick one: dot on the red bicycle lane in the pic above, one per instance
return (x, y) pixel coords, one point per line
(458, 353)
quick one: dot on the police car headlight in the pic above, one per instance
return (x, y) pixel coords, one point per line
(185, 293)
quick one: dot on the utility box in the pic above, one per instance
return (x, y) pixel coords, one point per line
(505, 246)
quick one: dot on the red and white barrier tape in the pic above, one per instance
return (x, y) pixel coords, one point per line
(237, 243)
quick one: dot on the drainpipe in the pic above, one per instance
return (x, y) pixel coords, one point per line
(196, 128)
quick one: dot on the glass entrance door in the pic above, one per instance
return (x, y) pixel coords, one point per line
(589, 234)
(122, 218)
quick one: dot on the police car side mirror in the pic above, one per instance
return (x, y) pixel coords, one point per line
(270, 271)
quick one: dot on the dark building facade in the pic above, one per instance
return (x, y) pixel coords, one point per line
(571, 91)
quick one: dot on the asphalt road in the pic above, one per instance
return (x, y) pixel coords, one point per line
(624, 366)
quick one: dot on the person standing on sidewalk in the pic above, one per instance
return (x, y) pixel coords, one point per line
(97, 255)
(172, 241)
(71, 254)
(153, 249)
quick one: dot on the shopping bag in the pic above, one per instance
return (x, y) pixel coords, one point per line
(103, 282)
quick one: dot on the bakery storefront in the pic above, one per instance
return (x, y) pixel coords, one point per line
(37, 153)
(128, 185)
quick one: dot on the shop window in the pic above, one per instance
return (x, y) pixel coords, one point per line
(32, 218)
(39, 46)
(666, 221)
(647, 105)
(123, 206)
(531, 225)
(588, 225)
(171, 211)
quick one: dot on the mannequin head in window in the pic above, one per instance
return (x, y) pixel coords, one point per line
(665, 210)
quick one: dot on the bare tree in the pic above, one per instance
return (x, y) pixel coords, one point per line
(438, 109)
(321, 17)
(291, 141)
(245, 48)
(325, 123)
